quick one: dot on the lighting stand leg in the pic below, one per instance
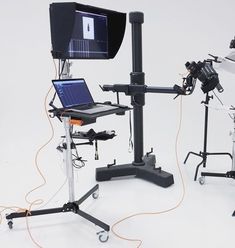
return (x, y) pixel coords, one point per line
(204, 154)
(228, 174)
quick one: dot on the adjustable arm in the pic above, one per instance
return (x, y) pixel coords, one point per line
(130, 89)
(176, 89)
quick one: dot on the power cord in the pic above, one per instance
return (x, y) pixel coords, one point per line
(158, 212)
(37, 201)
(130, 149)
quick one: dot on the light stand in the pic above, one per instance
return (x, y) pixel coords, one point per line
(143, 166)
(228, 174)
(203, 154)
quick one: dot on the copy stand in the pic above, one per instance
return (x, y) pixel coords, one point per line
(203, 154)
(142, 166)
(72, 205)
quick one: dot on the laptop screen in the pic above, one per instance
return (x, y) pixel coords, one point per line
(73, 92)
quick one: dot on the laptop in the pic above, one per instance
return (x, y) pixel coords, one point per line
(75, 96)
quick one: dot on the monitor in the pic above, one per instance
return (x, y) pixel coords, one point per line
(85, 32)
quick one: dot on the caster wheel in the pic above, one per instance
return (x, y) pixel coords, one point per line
(103, 236)
(10, 224)
(95, 195)
(201, 180)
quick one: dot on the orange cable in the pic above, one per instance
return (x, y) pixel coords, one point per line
(158, 212)
(28, 227)
(38, 201)
(37, 154)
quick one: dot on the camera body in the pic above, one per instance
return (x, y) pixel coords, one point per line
(205, 73)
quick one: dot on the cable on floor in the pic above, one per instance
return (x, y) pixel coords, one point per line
(178, 204)
(38, 201)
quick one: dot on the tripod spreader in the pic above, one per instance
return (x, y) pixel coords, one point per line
(132, 89)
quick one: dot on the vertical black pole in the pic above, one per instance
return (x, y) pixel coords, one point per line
(204, 155)
(137, 77)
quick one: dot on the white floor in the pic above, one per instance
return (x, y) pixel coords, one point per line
(204, 219)
(174, 32)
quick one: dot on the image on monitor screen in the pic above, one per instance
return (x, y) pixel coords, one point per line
(89, 37)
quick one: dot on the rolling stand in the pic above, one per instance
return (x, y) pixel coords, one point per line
(72, 205)
(228, 174)
(203, 154)
(143, 166)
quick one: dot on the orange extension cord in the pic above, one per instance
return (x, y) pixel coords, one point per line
(38, 201)
(159, 212)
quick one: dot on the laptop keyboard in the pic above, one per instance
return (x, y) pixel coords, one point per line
(87, 107)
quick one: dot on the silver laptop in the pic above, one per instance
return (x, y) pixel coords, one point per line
(74, 95)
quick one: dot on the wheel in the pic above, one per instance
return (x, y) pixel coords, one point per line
(103, 236)
(201, 180)
(95, 195)
(10, 224)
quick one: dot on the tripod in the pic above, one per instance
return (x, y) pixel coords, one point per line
(203, 154)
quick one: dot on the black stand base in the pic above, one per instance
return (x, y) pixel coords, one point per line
(228, 174)
(204, 155)
(147, 171)
(68, 207)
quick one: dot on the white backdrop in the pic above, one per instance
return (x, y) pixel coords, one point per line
(174, 32)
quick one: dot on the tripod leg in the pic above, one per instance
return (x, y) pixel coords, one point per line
(93, 220)
(220, 153)
(194, 153)
(90, 192)
(196, 172)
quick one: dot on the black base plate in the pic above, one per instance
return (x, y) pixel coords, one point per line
(147, 171)
(68, 207)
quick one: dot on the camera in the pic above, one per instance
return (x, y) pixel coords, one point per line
(206, 74)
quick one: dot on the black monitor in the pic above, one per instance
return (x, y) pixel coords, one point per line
(85, 32)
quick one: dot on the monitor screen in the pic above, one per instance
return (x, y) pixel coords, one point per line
(90, 36)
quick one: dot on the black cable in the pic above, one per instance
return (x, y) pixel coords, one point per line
(130, 138)
(77, 159)
(61, 71)
(230, 59)
(218, 98)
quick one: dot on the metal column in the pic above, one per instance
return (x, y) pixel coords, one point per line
(68, 158)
